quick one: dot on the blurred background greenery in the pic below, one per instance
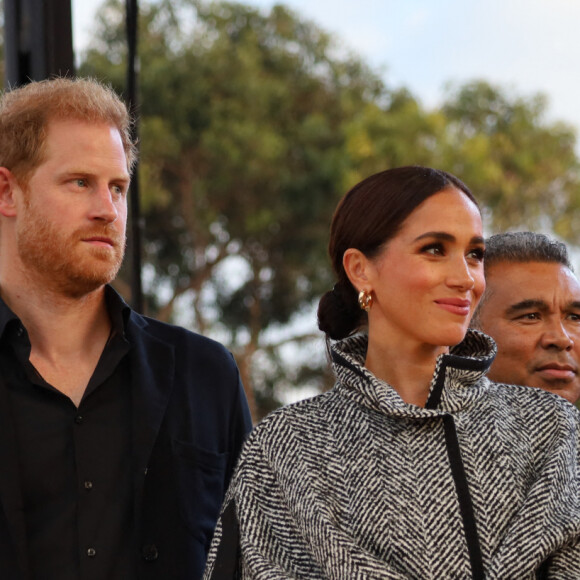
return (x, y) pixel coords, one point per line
(252, 126)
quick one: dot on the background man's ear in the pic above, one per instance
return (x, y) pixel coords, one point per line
(7, 187)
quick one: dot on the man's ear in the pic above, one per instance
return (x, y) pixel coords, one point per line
(8, 185)
(357, 267)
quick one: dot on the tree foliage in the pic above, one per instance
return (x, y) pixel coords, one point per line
(524, 169)
(253, 125)
(243, 130)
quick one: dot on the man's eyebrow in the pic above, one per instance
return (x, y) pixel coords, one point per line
(575, 305)
(527, 305)
(74, 172)
(445, 236)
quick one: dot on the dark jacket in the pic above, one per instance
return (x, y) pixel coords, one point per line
(190, 418)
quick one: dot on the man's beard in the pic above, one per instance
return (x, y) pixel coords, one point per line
(66, 264)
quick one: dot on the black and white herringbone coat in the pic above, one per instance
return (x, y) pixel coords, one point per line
(357, 484)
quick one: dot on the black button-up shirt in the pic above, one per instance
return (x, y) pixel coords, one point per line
(74, 463)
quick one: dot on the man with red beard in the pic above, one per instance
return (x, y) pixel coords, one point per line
(531, 308)
(118, 434)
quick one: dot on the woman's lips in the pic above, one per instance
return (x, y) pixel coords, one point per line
(459, 306)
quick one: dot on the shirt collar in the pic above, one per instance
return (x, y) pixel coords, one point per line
(7, 317)
(118, 310)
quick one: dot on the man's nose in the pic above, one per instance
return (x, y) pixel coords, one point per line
(556, 336)
(103, 206)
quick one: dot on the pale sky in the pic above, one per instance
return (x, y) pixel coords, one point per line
(527, 46)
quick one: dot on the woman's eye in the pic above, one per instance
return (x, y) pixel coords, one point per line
(433, 249)
(477, 254)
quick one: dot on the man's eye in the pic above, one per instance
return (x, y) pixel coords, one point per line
(81, 182)
(530, 316)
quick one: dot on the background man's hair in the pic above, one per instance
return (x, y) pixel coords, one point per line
(26, 111)
(520, 248)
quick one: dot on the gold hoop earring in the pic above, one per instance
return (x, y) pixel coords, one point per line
(365, 300)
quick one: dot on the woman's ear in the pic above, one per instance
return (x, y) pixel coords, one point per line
(7, 187)
(357, 267)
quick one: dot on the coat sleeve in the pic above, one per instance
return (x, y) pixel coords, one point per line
(277, 522)
(224, 557)
(551, 505)
(255, 535)
(565, 563)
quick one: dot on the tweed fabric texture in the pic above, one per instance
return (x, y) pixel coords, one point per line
(357, 484)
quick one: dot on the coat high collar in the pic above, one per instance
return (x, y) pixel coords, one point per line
(458, 379)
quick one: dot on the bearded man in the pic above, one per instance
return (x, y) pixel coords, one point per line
(118, 434)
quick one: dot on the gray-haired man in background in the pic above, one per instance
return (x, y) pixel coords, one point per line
(531, 308)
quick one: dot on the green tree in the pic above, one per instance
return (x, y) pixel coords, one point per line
(252, 128)
(392, 133)
(521, 167)
(244, 122)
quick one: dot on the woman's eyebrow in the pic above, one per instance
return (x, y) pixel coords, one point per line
(445, 236)
(437, 235)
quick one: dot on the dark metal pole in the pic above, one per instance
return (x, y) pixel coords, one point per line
(59, 38)
(38, 40)
(135, 211)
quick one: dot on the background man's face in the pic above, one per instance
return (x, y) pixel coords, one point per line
(532, 311)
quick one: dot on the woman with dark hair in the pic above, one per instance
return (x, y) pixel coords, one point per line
(414, 465)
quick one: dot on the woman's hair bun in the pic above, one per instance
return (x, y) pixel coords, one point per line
(338, 312)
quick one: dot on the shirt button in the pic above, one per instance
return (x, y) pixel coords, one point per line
(20, 331)
(88, 485)
(91, 552)
(79, 419)
(149, 552)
